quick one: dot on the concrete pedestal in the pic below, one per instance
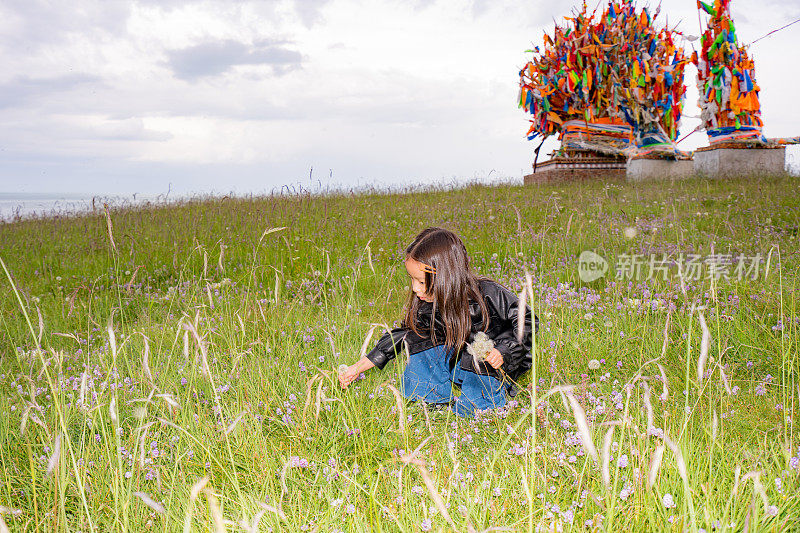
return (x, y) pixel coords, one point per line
(643, 169)
(730, 160)
(594, 167)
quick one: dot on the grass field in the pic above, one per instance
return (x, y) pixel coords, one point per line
(173, 367)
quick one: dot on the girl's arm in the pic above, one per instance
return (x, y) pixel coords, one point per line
(388, 346)
(384, 351)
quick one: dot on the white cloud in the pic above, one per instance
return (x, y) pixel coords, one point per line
(217, 57)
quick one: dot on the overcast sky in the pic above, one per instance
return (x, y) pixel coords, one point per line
(120, 97)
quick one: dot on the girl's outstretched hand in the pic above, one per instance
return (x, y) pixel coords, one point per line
(495, 358)
(349, 374)
(346, 377)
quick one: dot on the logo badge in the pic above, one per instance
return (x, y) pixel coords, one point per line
(591, 266)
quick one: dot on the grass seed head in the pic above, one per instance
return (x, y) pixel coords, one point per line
(235, 423)
(401, 412)
(221, 255)
(678, 457)
(146, 359)
(216, 513)
(435, 496)
(150, 502)
(607, 458)
(365, 344)
(170, 400)
(112, 340)
(272, 509)
(714, 426)
(197, 488)
(724, 379)
(664, 388)
(110, 227)
(206, 370)
(252, 527)
(112, 410)
(320, 397)
(704, 341)
(309, 394)
(521, 306)
(52, 463)
(655, 465)
(582, 424)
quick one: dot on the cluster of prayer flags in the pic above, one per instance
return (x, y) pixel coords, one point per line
(612, 83)
(729, 105)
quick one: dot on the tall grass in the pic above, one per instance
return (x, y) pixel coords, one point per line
(173, 367)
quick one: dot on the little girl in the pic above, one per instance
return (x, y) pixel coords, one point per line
(448, 305)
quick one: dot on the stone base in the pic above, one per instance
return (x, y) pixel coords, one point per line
(731, 160)
(644, 169)
(595, 168)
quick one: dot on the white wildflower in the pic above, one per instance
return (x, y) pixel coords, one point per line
(668, 501)
(480, 347)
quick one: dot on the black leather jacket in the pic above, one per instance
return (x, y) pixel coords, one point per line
(502, 305)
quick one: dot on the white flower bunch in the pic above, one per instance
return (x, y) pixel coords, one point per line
(480, 347)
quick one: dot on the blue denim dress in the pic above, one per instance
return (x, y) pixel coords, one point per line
(428, 377)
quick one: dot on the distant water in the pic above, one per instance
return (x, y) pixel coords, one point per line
(26, 205)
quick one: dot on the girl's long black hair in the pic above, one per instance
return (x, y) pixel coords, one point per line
(452, 285)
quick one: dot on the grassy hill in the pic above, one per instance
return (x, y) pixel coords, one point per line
(173, 366)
